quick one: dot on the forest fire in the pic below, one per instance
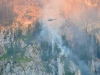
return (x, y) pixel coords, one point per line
(49, 37)
(28, 11)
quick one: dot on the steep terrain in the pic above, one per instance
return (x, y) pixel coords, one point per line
(43, 37)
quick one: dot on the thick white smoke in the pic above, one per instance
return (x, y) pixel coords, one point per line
(52, 10)
(52, 21)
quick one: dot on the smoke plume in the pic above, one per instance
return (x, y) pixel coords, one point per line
(67, 17)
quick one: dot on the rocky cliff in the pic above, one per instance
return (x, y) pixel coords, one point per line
(30, 44)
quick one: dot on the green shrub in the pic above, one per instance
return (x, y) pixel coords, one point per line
(37, 29)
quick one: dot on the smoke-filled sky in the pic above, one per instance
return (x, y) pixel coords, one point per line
(68, 17)
(80, 9)
(60, 17)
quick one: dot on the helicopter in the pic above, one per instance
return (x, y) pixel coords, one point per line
(51, 19)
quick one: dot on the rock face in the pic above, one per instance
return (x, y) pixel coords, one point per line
(22, 52)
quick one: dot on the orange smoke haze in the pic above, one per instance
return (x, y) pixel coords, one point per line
(29, 10)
